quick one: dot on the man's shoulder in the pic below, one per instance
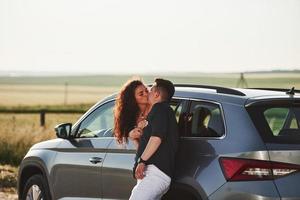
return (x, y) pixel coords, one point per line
(162, 105)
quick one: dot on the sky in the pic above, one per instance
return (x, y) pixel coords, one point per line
(126, 36)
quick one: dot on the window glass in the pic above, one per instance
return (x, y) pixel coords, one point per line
(282, 121)
(177, 107)
(205, 120)
(277, 121)
(99, 123)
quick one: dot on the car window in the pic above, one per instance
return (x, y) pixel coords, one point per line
(283, 120)
(279, 123)
(205, 120)
(179, 106)
(99, 123)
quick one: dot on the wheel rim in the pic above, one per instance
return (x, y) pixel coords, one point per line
(34, 193)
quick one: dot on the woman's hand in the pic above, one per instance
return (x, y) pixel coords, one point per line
(135, 133)
(142, 124)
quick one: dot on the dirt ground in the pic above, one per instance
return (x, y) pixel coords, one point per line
(4, 195)
(8, 182)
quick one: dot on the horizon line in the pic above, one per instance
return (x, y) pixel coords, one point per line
(25, 73)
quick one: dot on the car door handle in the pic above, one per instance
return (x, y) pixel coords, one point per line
(95, 160)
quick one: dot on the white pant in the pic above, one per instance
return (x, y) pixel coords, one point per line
(153, 186)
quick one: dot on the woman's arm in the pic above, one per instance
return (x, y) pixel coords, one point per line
(135, 135)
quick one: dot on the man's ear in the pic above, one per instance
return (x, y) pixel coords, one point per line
(156, 94)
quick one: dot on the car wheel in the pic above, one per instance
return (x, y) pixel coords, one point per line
(36, 189)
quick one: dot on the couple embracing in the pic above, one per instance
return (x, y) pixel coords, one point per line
(146, 118)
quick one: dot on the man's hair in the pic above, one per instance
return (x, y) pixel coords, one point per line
(166, 88)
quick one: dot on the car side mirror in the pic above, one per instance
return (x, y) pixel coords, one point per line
(63, 130)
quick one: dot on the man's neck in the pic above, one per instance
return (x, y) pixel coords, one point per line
(155, 102)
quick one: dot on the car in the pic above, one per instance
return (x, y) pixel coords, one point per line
(235, 144)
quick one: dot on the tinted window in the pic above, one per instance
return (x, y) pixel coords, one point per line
(277, 123)
(179, 106)
(205, 120)
(282, 121)
(99, 123)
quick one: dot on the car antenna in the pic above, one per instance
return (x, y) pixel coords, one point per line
(291, 91)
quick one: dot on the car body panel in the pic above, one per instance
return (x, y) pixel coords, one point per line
(288, 186)
(72, 165)
(117, 173)
(266, 190)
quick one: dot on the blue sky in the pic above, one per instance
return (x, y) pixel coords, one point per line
(117, 36)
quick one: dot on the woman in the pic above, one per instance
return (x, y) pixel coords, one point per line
(130, 111)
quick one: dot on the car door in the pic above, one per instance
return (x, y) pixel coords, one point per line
(117, 173)
(76, 171)
(202, 128)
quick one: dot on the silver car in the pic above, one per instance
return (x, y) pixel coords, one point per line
(235, 144)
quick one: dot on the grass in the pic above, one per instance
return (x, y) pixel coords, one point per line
(28, 91)
(27, 95)
(114, 81)
(77, 108)
(20, 131)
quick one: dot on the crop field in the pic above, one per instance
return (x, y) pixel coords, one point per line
(18, 94)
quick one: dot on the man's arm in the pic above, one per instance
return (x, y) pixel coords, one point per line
(150, 149)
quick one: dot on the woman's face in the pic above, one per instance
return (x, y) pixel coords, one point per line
(141, 94)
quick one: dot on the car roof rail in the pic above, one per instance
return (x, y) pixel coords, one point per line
(291, 91)
(218, 89)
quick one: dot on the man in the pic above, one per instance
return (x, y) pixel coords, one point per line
(155, 158)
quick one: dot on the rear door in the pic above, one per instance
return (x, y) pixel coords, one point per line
(203, 129)
(279, 124)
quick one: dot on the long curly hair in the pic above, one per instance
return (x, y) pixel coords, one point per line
(126, 110)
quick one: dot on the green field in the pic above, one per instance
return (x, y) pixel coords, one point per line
(16, 91)
(229, 79)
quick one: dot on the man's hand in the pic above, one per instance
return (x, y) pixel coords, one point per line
(139, 172)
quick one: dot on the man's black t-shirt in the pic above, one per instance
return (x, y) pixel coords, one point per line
(161, 123)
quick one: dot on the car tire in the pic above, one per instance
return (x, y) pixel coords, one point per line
(36, 189)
